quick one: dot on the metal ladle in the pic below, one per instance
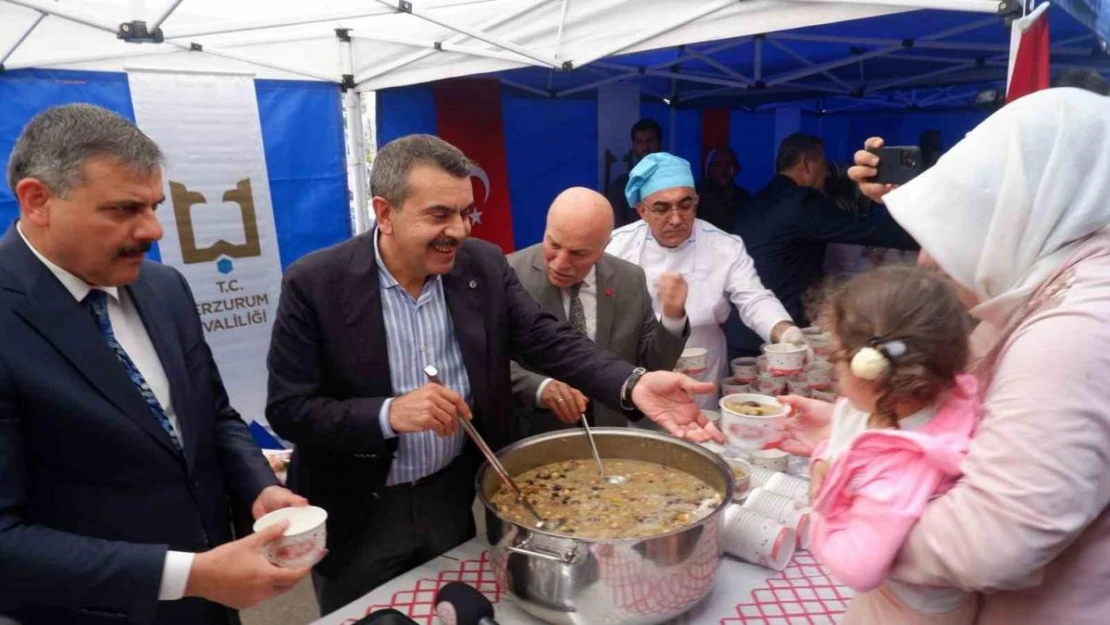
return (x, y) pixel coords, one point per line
(433, 376)
(612, 479)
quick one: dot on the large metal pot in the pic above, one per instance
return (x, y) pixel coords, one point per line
(578, 581)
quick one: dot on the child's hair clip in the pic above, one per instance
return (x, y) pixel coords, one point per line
(893, 349)
(869, 364)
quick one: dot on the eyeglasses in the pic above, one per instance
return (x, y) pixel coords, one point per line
(685, 207)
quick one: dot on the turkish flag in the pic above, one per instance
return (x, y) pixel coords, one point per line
(1029, 55)
(468, 115)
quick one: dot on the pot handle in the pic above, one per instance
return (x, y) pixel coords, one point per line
(522, 548)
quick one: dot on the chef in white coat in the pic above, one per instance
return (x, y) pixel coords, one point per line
(717, 268)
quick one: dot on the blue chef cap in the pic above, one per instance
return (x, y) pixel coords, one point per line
(657, 172)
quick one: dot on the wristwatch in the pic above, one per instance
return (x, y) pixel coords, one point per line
(629, 384)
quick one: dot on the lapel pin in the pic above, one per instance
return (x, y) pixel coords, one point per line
(608, 292)
(473, 284)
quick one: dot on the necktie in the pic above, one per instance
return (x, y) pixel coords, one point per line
(577, 313)
(97, 304)
(578, 322)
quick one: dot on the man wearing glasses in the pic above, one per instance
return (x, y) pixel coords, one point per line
(718, 270)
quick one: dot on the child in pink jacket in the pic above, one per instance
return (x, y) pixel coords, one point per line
(899, 432)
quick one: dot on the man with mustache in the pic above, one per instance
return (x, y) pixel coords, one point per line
(601, 296)
(669, 238)
(119, 452)
(377, 443)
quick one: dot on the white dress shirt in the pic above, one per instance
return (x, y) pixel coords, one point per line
(587, 294)
(132, 336)
(719, 273)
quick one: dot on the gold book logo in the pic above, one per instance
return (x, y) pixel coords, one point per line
(183, 202)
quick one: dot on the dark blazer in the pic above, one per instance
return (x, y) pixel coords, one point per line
(626, 326)
(329, 369)
(786, 228)
(92, 491)
(623, 214)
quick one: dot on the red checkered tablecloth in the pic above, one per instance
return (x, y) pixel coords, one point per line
(803, 594)
(418, 602)
(743, 594)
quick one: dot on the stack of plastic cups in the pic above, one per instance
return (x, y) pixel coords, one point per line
(754, 538)
(783, 509)
(781, 483)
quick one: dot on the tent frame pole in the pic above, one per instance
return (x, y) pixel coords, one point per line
(251, 61)
(527, 88)
(448, 47)
(919, 43)
(714, 63)
(833, 64)
(883, 86)
(356, 139)
(406, 7)
(633, 72)
(805, 61)
(967, 6)
(562, 25)
(364, 74)
(757, 65)
(201, 31)
(23, 37)
(205, 31)
(66, 14)
(166, 13)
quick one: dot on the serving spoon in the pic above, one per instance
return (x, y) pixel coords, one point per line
(612, 479)
(433, 376)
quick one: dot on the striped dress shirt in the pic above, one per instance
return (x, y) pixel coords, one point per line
(419, 332)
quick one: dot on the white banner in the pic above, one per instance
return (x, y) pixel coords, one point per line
(618, 108)
(218, 218)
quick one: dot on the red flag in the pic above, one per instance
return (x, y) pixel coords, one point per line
(714, 133)
(468, 115)
(1029, 54)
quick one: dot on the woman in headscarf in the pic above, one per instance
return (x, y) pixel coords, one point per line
(1015, 216)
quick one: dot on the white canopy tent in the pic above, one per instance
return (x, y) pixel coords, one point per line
(366, 45)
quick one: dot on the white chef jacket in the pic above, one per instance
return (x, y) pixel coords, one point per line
(718, 271)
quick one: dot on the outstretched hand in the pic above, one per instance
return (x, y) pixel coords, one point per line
(667, 398)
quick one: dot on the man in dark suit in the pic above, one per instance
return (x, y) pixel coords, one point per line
(720, 199)
(647, 138)
(789, 223)
(603, 297)
(378, 445)
(118, 449)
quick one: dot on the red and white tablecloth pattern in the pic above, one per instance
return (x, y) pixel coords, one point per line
(803, 594)
(418, 602)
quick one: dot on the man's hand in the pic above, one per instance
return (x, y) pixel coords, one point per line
(671, 292)
(430, 407)
(275, 498)
(866, 168)
(238, 575)
(568, 403)
(667, 398)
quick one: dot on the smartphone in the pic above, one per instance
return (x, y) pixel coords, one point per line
(898, 164)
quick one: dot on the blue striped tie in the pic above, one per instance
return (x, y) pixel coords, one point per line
(97, 303)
